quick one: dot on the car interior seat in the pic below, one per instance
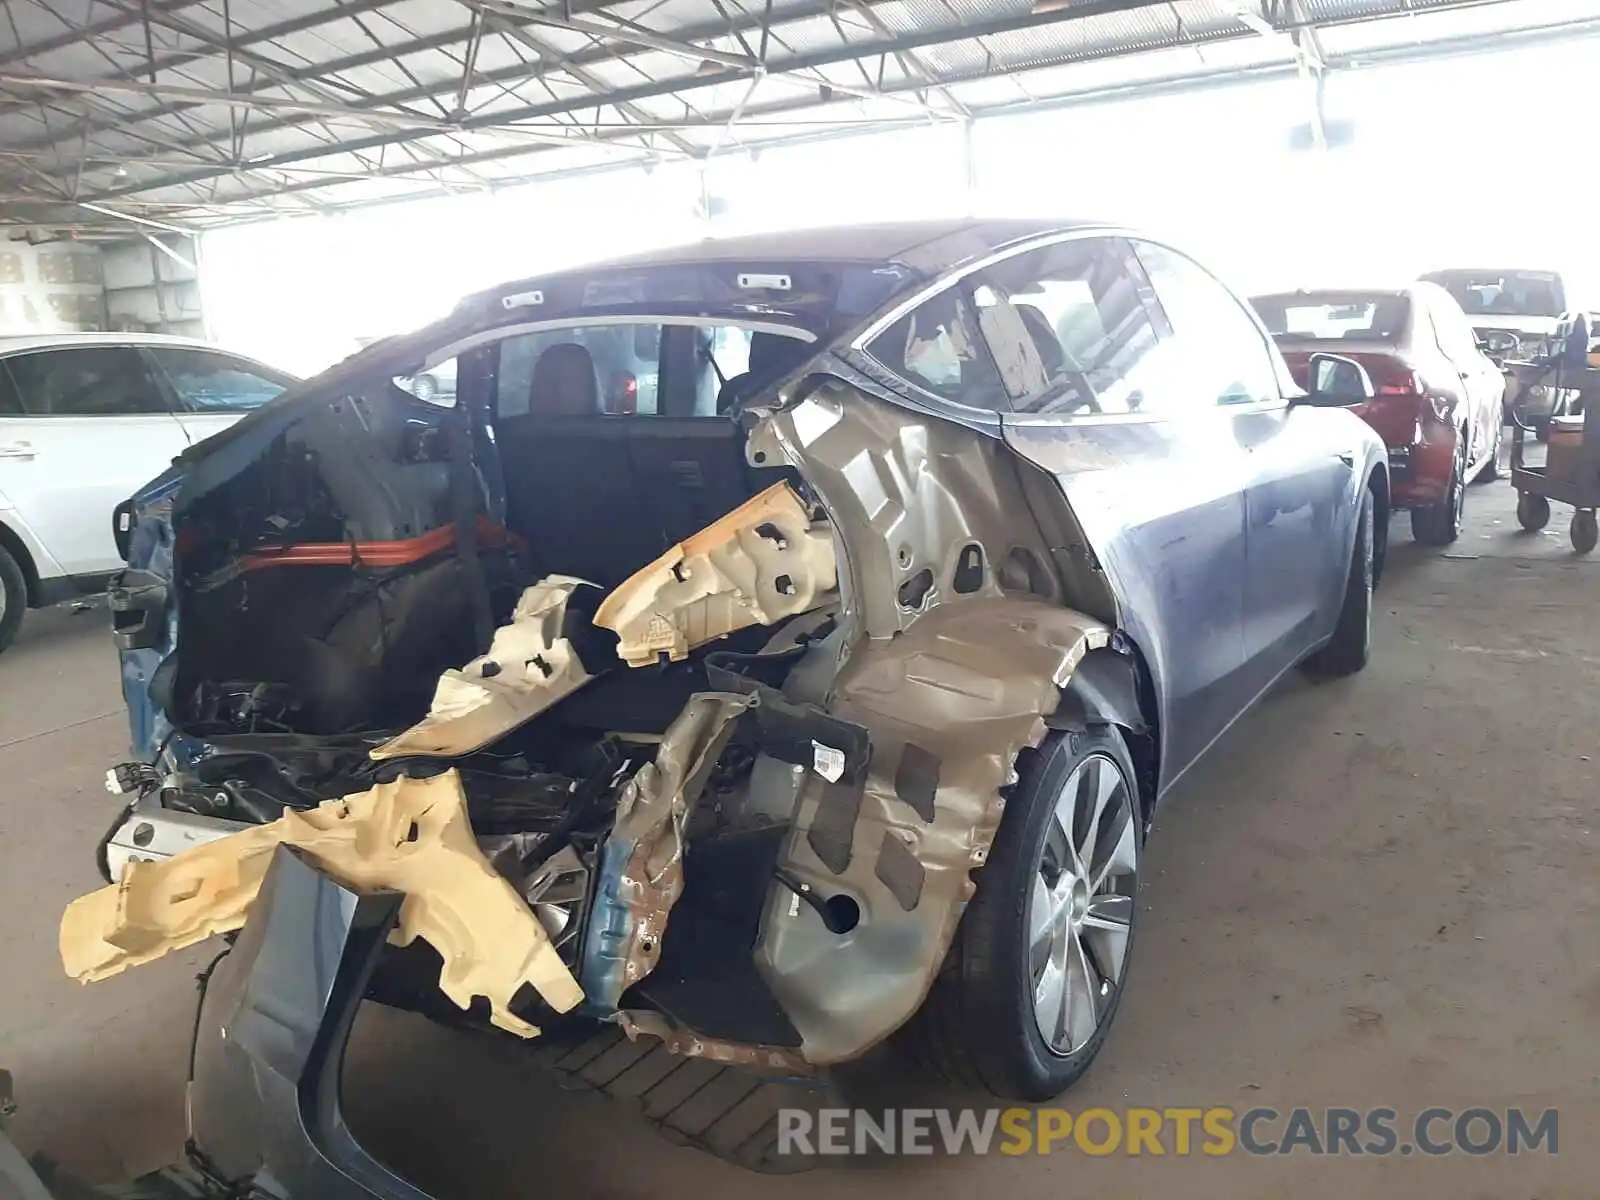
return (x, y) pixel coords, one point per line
(1044, 337)
(564, 382)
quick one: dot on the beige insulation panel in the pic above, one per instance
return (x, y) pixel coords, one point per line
(529, 667)
(410, 836)
(760, 563)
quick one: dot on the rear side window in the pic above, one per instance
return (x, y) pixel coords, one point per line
(939, 347)
(638, 369)
(1078, 303)
(581, 371)
(1325, 316)
(1503, 293)
(209, 381)
(1219, 353)
(86, 381)
(10, 402)
(436, 385)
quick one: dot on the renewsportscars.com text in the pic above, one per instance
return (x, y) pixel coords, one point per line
(1180, 1132)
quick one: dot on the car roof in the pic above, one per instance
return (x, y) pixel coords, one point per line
(888, 241)
(16, 343)
(1453, 274)
(1336, 291)
(929, 247)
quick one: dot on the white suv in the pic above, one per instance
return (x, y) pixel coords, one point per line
(85, 420)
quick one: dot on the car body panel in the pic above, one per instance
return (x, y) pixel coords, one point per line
(13, 519)
(1162, 506)
(68, 471)
(271, 1035)
(75, 472)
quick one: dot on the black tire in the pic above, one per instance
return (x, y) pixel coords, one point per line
(1584, 532)
(979, 1025)
(1351, 645)
(1440, 524)
(13, 598)
(1533, 512)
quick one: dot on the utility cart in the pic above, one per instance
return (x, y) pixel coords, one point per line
(1571, 472)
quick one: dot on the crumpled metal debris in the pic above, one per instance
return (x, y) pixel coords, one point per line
(410, 836)
(529, 667)
(763, 561)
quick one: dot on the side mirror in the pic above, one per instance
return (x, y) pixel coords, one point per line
(1337, 382)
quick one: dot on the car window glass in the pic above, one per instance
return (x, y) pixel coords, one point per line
(729, 348)
(582, 371)
(208, 381)
(937, 347)
(435, 384)
(90, 381)
(10, 402)
(1078, 305)
(1503, 293)
(638, 369)
(1221, 355)
(1333, 316)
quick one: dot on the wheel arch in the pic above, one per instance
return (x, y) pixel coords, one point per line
(1112, 685)
(1378, 486)
(18, 550)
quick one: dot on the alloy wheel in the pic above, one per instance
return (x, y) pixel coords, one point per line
(1080, 911)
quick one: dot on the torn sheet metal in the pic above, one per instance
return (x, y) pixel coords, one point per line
(951, 683)
(761, 562)
(410, 836)
(949, 704)
(644, 1023)
(529, 667)
(641, 865)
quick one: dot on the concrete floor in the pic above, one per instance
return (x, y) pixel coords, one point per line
(1380, 891)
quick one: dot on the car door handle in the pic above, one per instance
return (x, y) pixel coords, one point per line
(22, 450)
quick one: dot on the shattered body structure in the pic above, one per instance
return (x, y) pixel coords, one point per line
(941, 697)
(772, 647)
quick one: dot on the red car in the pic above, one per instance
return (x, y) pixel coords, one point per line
(1438, 396)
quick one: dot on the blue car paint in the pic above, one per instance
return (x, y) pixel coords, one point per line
(1184, 527)
(608, 933)
(150, 549)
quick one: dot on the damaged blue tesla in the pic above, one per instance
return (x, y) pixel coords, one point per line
(771, 647)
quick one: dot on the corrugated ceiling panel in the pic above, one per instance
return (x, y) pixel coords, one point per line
(1106, 51)
(1463, 22)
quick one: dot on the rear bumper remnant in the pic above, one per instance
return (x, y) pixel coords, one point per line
(271, 1036)
(410, 836)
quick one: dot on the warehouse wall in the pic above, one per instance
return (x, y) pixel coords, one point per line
(148, 291)
(51, 288)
